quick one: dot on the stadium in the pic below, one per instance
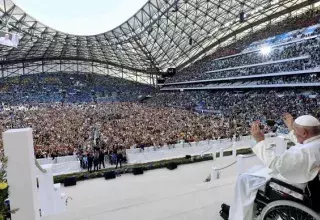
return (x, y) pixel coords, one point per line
(190, 109)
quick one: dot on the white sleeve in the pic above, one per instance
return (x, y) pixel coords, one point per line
(292, 137)
(294, 165)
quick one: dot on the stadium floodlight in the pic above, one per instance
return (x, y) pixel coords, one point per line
(265, 50)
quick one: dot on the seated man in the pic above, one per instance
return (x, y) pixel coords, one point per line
(296, 166)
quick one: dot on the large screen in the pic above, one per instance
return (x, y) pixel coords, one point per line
(9, 39)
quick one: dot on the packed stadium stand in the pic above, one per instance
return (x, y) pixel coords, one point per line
(97, 97)
(240, 79)
(236, 80)
(294, 62)
(69, 88)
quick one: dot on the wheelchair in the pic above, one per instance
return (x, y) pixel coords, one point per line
(282, 201)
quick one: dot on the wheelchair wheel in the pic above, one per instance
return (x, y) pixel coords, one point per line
(287, 210)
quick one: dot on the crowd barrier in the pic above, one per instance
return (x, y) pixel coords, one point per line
(61, 165)
(70, 164)
(149, 154)
(57, 160)
(64, 168)
(240, 162)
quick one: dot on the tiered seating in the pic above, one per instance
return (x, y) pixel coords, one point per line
(249, 105)
(296, 57)
(68, 87)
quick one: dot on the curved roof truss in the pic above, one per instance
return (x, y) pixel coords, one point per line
(162, 34)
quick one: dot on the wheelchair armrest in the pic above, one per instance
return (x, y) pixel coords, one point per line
(281, 183)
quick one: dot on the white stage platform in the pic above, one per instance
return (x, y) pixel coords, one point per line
(161, 194)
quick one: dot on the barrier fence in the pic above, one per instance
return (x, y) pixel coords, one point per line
(280, 146)
(149, 154)
(71, 164)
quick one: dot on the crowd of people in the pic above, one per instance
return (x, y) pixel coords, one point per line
(305, 47)
(288, 79)
(306, 78)
(68, 117)
(112, 127)
(245, 106)
(195, 71)
(306, 54)
(69, 87)
(92, 130)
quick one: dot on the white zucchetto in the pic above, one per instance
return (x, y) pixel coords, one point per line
(307, 121)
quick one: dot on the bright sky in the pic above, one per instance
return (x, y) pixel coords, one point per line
(84, 17)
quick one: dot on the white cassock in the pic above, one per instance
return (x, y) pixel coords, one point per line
(296, 166)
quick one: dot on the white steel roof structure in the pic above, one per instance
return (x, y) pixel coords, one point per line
(162, 34)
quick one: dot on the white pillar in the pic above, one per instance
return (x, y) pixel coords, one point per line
(234, 149)
(240, 164)
(214, 173)
(21, 173)
(46, 191)
(214, 154)
(221, 153)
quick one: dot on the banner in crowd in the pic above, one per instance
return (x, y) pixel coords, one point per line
(9, 39)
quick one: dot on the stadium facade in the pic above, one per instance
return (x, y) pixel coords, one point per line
(162, 34)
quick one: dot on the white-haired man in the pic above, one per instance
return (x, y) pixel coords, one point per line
(297, 165)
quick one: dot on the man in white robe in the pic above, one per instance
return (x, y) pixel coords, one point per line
(296, 166)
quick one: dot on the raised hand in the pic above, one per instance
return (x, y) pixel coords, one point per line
(288, 120)
(256, 132)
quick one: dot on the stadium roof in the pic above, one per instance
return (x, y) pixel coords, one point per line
(162, 34)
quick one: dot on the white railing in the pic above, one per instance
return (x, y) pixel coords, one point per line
(149, 154)
(56, 160)
(61, 165)
(64, 168)
(300, 72)
(261, 64)
(280, 144)
(246, 86)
